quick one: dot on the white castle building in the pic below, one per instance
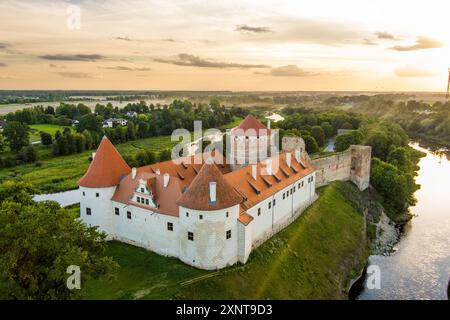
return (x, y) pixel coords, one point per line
(202, 212)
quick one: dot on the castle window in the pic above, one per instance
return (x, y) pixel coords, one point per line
(129, 215)
(191, 236)
(187, 214)
(200, 217)
(84, 193)
(291, 191)
(88, 211)
(287, 193)
(142, 190)
(146, 201)
(274, 202)
(270, 204)
(170, 226)
(312, 178)
(294, 188)
(97, 195)
(284, 195)
(298, 185)
(116, 211)
(259, 211)
(228, 234)
(303, 183)
(227, 214)
(138, 199)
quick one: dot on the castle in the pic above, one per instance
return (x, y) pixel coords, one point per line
(202, 210)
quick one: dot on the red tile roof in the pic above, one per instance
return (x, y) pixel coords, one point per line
(264, 186)
(197, 195)
(250, 127)
(106, 169)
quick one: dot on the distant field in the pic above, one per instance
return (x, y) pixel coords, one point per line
(62, 172)
(313, 258)
(49, 128)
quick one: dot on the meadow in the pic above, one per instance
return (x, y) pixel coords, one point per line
(54, 174)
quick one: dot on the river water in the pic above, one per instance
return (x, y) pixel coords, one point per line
(420, 266)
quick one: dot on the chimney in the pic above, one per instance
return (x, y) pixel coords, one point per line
(157, 171)
(133, 173)
(269, 167)
(212, 191)
(288, 159)
(268, 124)
(254, 171)
(297, 155)
(166, 179)
(93, 155)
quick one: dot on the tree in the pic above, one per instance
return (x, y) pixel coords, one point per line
(16, 134)
(28, 154)
(46, 138)
(310, 144)
(347, 125)
(391, 184)
(318, 134)
(39, 241)
(90, 122)
(344, 141)
(327, 129)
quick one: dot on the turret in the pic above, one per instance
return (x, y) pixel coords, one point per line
(208, 213)
(98, 184)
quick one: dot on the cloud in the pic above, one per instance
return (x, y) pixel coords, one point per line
(421, 43)
(369, 42)
(287, 71)
(412, 72)
(124, 38)
(385, 35)
(189, 60)
(72, 57)
(123, 68)
(3, 64)
(248, 29)
(78, 75)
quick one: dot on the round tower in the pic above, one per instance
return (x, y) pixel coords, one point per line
(98, 185)
(208, 215)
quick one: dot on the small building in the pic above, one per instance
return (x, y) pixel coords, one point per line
(131, 114)
(113, 122)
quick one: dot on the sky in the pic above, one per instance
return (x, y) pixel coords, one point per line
(225, 45)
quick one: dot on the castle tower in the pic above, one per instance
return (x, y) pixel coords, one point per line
(208, 214)
(97, 186)
(250, 143)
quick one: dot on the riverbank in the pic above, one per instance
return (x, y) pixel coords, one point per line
(313, 258)
(418, 266)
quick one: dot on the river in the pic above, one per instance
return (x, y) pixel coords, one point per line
(419, 267)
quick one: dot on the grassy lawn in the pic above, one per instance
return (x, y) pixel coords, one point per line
(49, 128)
(311, 259)
(61, 173)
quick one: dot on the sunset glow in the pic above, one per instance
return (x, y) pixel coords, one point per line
(225, 45)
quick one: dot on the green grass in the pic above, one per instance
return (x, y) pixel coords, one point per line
(313, 258)
(49, 128)
(62, 172)
(142, 274)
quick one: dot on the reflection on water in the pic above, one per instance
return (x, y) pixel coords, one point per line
(420, 266)
(65, 198)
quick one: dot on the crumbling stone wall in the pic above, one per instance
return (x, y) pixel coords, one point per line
(352, 164)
